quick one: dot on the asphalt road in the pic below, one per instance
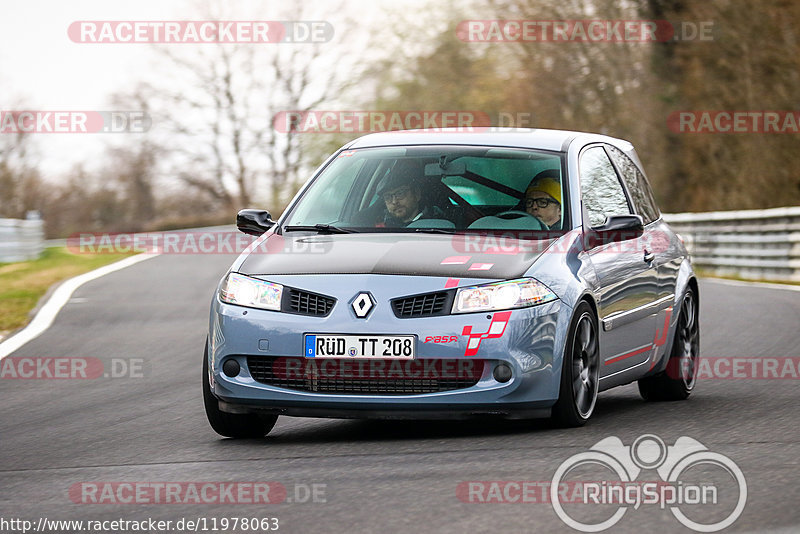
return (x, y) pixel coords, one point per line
(372, 476)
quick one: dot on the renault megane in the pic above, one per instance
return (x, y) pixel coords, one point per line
(419, 274)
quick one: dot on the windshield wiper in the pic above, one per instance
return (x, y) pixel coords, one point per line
(436, 230)
(322, 228)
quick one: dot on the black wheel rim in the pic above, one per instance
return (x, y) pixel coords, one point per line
(585, 368)
(688, 344)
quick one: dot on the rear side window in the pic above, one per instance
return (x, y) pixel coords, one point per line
(600, 187)
(639, 189)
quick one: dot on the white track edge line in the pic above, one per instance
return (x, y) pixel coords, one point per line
(47, 313)
(742, 283)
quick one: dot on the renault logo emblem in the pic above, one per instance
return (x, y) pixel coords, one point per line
(362, 304)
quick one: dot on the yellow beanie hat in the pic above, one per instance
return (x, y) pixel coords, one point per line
(546, 185)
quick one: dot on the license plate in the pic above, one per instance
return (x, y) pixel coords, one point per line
(333, 346)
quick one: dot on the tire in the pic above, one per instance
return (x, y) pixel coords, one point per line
(233, 425)
(580, 370)
(678, 380)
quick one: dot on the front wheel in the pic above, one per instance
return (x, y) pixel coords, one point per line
(233, 425)
(678, 380)
(580, 370)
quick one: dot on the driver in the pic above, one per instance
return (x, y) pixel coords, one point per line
(402, 195)
(543, 201)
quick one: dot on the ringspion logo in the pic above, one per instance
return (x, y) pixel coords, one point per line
(704, 505)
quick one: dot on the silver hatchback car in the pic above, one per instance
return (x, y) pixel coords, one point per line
(419, 274)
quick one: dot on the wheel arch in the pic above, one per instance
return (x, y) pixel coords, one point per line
(589, 298)
(695, 287)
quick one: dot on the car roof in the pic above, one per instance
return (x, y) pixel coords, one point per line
(554, 140)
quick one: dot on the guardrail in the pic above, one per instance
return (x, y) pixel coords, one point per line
(21, 239)
(755, 244)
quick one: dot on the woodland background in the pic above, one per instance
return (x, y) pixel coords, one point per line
(212, 148)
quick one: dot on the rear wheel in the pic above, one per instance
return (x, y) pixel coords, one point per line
(233, 425)
(678, 380)
(580, 370)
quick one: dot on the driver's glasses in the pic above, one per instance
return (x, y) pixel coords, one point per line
(540, 203)
(398, 195)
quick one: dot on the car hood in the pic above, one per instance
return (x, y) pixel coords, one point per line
(456, 256)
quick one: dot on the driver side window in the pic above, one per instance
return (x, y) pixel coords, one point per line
(329, 207)
(601, 190)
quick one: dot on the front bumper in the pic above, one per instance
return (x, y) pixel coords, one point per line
(371, 410)
(531, 345)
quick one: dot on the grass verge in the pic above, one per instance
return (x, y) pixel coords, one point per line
(22, 284)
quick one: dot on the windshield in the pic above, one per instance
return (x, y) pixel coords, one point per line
(437, 189)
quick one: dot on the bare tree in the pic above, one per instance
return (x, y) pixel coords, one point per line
(21, 187)
(216, 112)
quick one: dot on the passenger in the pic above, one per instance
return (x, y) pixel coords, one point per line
(543, 200)
(403, 197)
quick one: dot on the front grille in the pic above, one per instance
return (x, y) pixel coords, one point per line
(427, 305)
(366, 377)
(305, 303)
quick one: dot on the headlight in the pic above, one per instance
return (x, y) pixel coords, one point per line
(502, 296)
(246, 291)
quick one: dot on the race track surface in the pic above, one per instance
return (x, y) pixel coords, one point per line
(370, 476)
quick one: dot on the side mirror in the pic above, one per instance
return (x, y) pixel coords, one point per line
(254, 222)
(616, 228)
(618, 223)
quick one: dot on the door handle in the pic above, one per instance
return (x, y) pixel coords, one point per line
(649, 256)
